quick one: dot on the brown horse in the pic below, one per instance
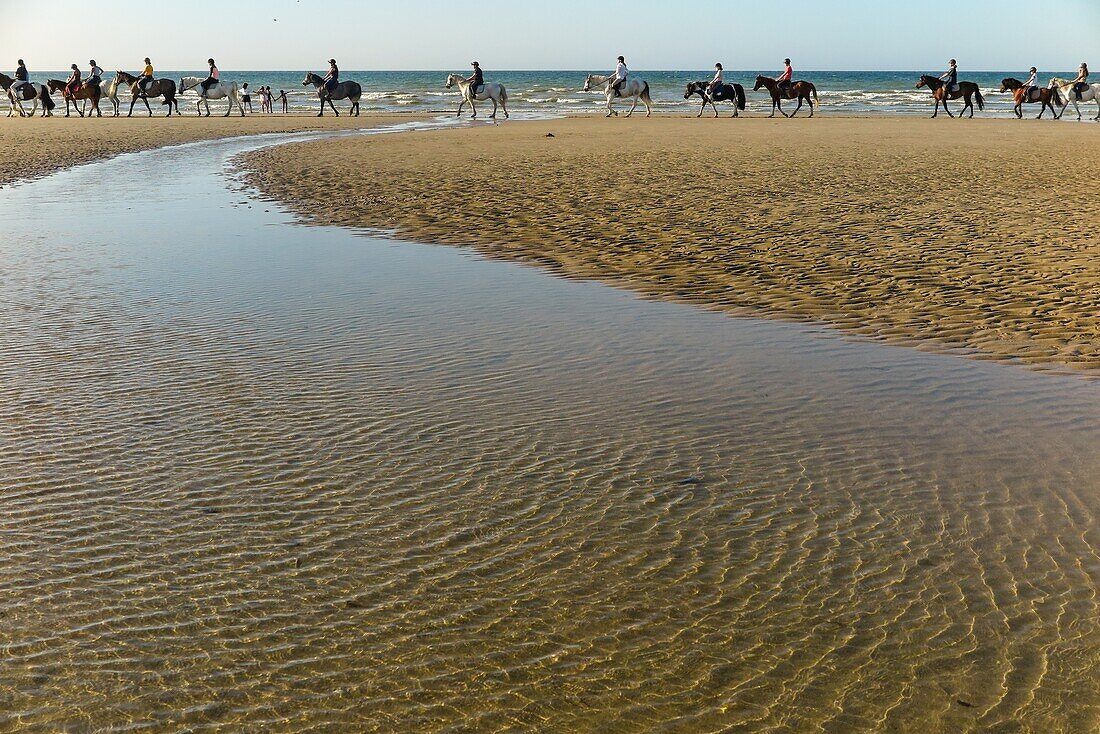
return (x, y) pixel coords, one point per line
(800, 90)
(1048, 96)
(27, 93)
(941, 95)
(85, 92)
(156, 88)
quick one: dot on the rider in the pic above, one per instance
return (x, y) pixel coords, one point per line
(716, 82)
(333, 76)
(1032, 82)
(1080, 84)
(786, 77)
(950, 78)
(619, 77)
(95, 74)
(146, 77)
(22, 76)
(211, 80)
(477, 79)
(72, 84)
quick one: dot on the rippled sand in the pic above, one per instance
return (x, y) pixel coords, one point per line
(970, 235)
(258, 476)
(36, 147)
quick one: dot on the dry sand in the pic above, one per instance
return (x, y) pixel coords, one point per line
(973, 235)
(38, 146)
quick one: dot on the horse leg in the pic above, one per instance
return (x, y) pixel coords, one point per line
(779, 104)
(330, 104)
(633, 107)
(494, 115)
(146, 100)
(461, 104)
(322, 112)
(796, 109)
(473, 107)
(609, 109)
(946, 108)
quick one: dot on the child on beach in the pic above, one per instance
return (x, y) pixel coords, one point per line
(246, 97)
(282, 98)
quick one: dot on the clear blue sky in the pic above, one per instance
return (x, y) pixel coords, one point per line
(552, 34)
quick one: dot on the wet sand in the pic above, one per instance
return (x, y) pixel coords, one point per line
(38, 146)
(938, 233)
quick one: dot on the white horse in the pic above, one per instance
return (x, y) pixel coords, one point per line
(1066, 89)
(635, 88)
(495, 92)
(220, 90)
(108, 89)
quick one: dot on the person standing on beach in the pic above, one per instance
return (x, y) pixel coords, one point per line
(716, 82)
(786, 77)
(211, 79)
(619, 77)
(950, 78)
(95, 74)
(282, 98)
(246, 97)
(477, 79)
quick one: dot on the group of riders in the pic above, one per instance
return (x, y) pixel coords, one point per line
(950, 78)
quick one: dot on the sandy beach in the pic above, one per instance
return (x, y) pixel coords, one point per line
(38, 146)
(941, 233)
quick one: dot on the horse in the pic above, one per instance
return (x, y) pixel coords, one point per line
(1066, 88)
(343, 90)
(724, 93)
(156, 88)
(494, 92)
(1020, 93)
(216, 91)
(633, 88)
(800, 90)
(84, 93)
(109, 88)
(28, 92)
(939, 93)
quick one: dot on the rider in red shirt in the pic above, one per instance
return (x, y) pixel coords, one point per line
(788, 73)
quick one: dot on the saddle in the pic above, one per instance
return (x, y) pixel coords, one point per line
(1034, 94)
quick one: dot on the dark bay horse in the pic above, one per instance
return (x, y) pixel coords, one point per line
(27, 93)
(967, 90)
(157, 88)
(1047, 95)
(724, 93)
(800, 90)
(85, 92)
(343, 90)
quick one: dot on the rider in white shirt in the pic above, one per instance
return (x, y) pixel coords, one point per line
(621, 73)
(1032, 82)
(716, 82)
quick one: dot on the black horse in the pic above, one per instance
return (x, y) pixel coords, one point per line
(724, 93)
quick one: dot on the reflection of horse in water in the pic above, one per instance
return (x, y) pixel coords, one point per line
(632, 88)
(723, 93)
(85, 92)
(939, 91)
(494, 92)
(1023, 95)
(27, 93)
(1090, 93)
(342, 90)
(800, 90)
(155, 88)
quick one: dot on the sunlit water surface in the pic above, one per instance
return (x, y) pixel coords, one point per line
(262, 476)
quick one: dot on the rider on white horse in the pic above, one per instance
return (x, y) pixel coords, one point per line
(477, 79)
(211, 80)
(95, 74)
(619, 77)
(1081, 83)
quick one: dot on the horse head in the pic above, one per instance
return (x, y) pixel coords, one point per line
(1009, 84)
(761, 81)
(690, 90)
(588, 83)
(309, 80)
(451, 80)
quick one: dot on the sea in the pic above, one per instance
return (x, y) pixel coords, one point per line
(561, 92)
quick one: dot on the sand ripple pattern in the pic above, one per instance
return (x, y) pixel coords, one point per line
(257, 476)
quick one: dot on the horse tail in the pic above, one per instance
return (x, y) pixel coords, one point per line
(645, 91)
(817, 102)
(503, 94)
(47, 99)
(980, 98)
(740, 96)
(1057, 95)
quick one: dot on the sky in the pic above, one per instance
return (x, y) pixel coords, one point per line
(552, 34)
